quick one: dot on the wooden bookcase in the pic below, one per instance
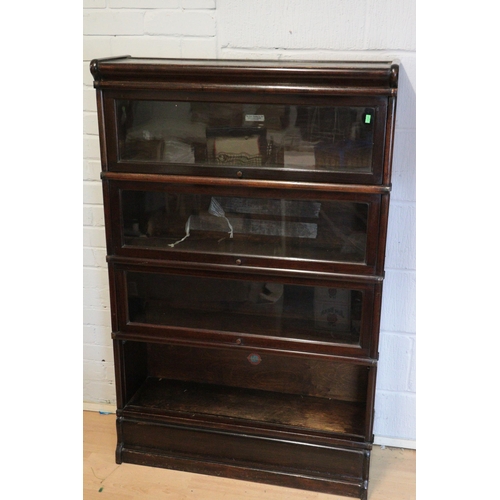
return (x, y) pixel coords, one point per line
(246, 208)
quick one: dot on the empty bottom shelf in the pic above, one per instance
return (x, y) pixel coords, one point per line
(250, 406)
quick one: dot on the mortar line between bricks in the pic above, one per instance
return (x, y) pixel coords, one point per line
(402, 393)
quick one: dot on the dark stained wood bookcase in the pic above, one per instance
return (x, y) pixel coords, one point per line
(246, 208)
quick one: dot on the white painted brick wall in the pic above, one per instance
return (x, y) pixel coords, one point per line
(116, 22)
(147, 46)
(180, 22)
(288, 25)
(295, 29)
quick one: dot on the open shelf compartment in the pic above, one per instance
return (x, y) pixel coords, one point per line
(249, 388)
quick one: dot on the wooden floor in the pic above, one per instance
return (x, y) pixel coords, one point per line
(392, 475)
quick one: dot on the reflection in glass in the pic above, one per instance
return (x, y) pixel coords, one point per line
(264, 227)
(260, 308)
(254, 135)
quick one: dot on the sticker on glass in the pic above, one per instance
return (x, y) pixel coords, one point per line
(255, 118)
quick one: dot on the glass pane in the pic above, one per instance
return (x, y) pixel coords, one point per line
(308, 229)
(253, 135)
(260, 308)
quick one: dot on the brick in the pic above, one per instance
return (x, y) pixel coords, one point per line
(94, 4)
(91, 147)
(401, 237)
(94, 237)
(113, 22)
(92, 171)
(97, 353)
(199, 48)
(103, 333)
(94, 257)
(406, 116)
(147, 46)
(97, 335)
(254, 54)
(97, 300)
(87, 217)
(412, 378)
(338, 24)
(90, 125)
(88, 79)
(187, 23)
(395, 360)
(92, 193)
(96, 297)
(97, 317)
(395, 415)
(95, 47)
(198, 4)
(110, 371)
(399, 302)
(89, 334)
(93, 370)
(89, 100)
(99, 392)
(95, 278)
(404, 166)
(93, 216)
(326, 54)
(390, 25)
(298, 54)
(144, 4)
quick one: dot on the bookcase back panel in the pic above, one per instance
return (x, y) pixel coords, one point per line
(257, 369)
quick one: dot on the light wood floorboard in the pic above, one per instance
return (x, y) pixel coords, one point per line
(392, 475)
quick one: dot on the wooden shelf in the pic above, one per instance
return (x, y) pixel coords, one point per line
(253, 407)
